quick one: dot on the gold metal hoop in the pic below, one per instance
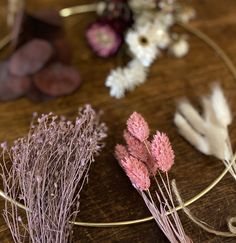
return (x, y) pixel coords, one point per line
(67, 12)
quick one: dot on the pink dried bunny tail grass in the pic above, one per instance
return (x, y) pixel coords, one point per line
(48, 170)
(138, 127)
(152, 166)
(136, 148)
(162, 151)
(137, 173)
(121, 153)
(170, 225)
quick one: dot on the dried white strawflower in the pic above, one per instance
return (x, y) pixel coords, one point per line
(125, 79)
(185, 14)
(164, 19)
(149, 35)
(116, 81)
(143, 18)
(179, 48)
(138, 5)
(142, 45)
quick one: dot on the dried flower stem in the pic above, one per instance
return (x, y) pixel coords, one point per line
(199, 222)
(142, 159)
(49, 168)
(202, 224)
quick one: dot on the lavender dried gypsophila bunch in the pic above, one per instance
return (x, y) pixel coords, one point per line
(49, 168)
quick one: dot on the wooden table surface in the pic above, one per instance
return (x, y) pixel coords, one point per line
(109, 195)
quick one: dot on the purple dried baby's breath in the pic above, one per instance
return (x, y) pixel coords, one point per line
(49, 168)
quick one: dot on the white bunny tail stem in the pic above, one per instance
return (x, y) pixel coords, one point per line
(192, 116)
(221, 107)
(208, 111)
(190, 134)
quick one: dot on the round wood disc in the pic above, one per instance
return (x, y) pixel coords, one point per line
(11, 86)
(31, 57)
(57, 79)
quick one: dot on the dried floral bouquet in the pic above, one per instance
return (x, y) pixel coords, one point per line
(209, 134)
(48, 170)
(142, 159)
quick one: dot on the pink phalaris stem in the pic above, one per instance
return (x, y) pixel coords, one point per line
(135, 147)
(137, 173)
(138, 127)
(162, 151)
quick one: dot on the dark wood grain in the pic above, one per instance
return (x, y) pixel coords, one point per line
(109, 196)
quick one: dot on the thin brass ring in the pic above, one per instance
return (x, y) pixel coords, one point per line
(67, 12)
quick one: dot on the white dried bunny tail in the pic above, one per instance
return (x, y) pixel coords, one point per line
(208, 111)
(192, 116)
(194, 138)
(208, 133)
(220, 106)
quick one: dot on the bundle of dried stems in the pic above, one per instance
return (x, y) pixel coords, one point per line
(209, 135)
(48, 170)
(141, 160)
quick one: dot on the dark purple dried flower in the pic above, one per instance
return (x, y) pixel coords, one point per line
(103, 39)
(49, 168)
(118, 14)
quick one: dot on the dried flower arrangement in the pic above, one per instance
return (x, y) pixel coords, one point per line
(145, 27)
(142, 159)
(48, 169)
(209, 135)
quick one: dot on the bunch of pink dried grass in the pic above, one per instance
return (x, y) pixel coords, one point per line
(49, 168)
(142, 159)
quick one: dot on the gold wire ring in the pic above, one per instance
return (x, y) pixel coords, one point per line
(67, 12)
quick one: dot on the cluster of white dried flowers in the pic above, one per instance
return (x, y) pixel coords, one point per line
(126, 78)
(208, 133)
(148, 37)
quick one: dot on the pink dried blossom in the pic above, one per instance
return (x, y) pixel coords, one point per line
(138, 127)
(135, 147)
(103, 39)
(152, 166)
(121, 152)
(137, 173)
(162, 151)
